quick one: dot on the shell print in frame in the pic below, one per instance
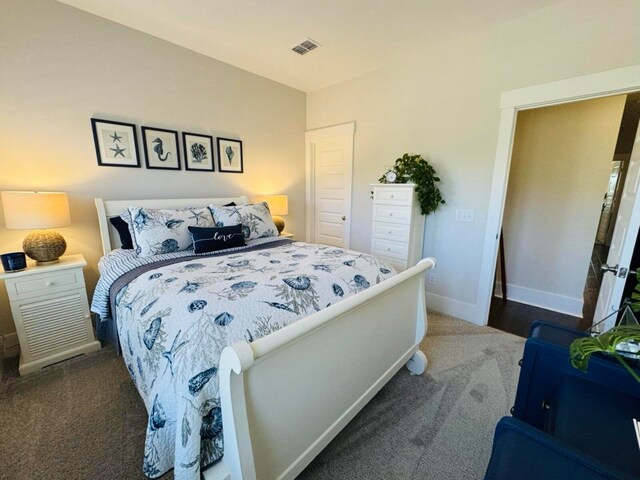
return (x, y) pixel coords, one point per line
(230, 158)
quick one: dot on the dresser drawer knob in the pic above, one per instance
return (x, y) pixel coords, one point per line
(390, 231)
(391, 214)
(48, 284)
(388, 249)
(392, 196)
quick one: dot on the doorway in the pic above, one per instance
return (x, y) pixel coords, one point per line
(561, 166)
(597, 85)
(329, 167)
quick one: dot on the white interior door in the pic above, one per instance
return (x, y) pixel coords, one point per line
(329, 171)
(623, 242)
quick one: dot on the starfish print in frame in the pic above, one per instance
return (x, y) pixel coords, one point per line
(116, 137)
(118, 151)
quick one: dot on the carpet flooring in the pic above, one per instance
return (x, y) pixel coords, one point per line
(83, 419)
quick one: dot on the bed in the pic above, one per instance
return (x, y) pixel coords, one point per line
(282, 343)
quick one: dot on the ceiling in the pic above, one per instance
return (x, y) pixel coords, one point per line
(357, 36)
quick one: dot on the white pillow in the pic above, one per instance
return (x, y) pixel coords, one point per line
(157, 231)
(255, 219)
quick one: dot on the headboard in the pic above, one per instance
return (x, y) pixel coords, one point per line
(113, 208)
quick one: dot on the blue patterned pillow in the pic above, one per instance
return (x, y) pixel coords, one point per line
(255, 219)
(164, 231)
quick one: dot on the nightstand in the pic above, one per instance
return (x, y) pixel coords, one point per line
(51, 312)
(286, 235)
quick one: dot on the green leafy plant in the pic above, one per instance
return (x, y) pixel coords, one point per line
(415, 169)
(581, 349)
(635, 295)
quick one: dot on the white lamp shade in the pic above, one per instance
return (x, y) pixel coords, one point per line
(278, 204)
(35, 210)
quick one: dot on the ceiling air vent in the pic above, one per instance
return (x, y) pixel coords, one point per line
(305, 46)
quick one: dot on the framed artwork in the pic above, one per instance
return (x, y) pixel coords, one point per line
(198, 152)
(116, 143)
(161, 149)
(230, 155)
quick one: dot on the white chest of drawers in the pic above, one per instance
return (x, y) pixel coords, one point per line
(51, 312)
(397, 232)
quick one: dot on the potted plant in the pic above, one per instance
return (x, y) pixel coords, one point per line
(621, 342)
(415, 169)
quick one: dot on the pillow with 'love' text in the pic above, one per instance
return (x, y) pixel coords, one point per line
(211, 239)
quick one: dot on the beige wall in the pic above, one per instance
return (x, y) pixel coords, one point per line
(443, 102)
(560, 170)
(60, 67)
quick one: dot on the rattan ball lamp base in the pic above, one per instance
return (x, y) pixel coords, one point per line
(44, 246)
(279, 222)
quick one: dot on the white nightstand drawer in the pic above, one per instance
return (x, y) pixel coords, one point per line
(391, 231)
(390, 249)
(389, 213)
(44, 284)
(393, 195)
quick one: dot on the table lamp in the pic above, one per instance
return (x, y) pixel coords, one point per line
(278, 205)
(41, 211)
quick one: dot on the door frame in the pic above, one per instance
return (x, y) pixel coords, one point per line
(597, 85)
(310, 137)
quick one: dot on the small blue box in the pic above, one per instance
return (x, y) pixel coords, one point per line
(14, 262)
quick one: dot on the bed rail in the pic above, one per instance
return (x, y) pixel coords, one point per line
(287, 395)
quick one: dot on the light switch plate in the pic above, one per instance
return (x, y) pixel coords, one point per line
(465, 215)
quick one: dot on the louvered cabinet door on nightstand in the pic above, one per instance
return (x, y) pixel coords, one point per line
(51, 312)
(397, 232)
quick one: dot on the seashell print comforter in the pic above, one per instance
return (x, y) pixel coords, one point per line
(175, 320)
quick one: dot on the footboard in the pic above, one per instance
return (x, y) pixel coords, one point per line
(287, 395)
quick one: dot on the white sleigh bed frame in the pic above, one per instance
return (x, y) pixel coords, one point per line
(287, 395)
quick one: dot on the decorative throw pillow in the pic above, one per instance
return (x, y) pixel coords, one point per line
(255, 219)
(122, 228)
(211, 239)
(165, 231)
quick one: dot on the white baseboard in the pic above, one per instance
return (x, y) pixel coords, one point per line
(454, 308)
(11, 345)
(537, 298)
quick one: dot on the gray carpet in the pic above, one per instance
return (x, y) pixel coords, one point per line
(83, 418)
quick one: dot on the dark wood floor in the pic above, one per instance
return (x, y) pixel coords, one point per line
(516, 318)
